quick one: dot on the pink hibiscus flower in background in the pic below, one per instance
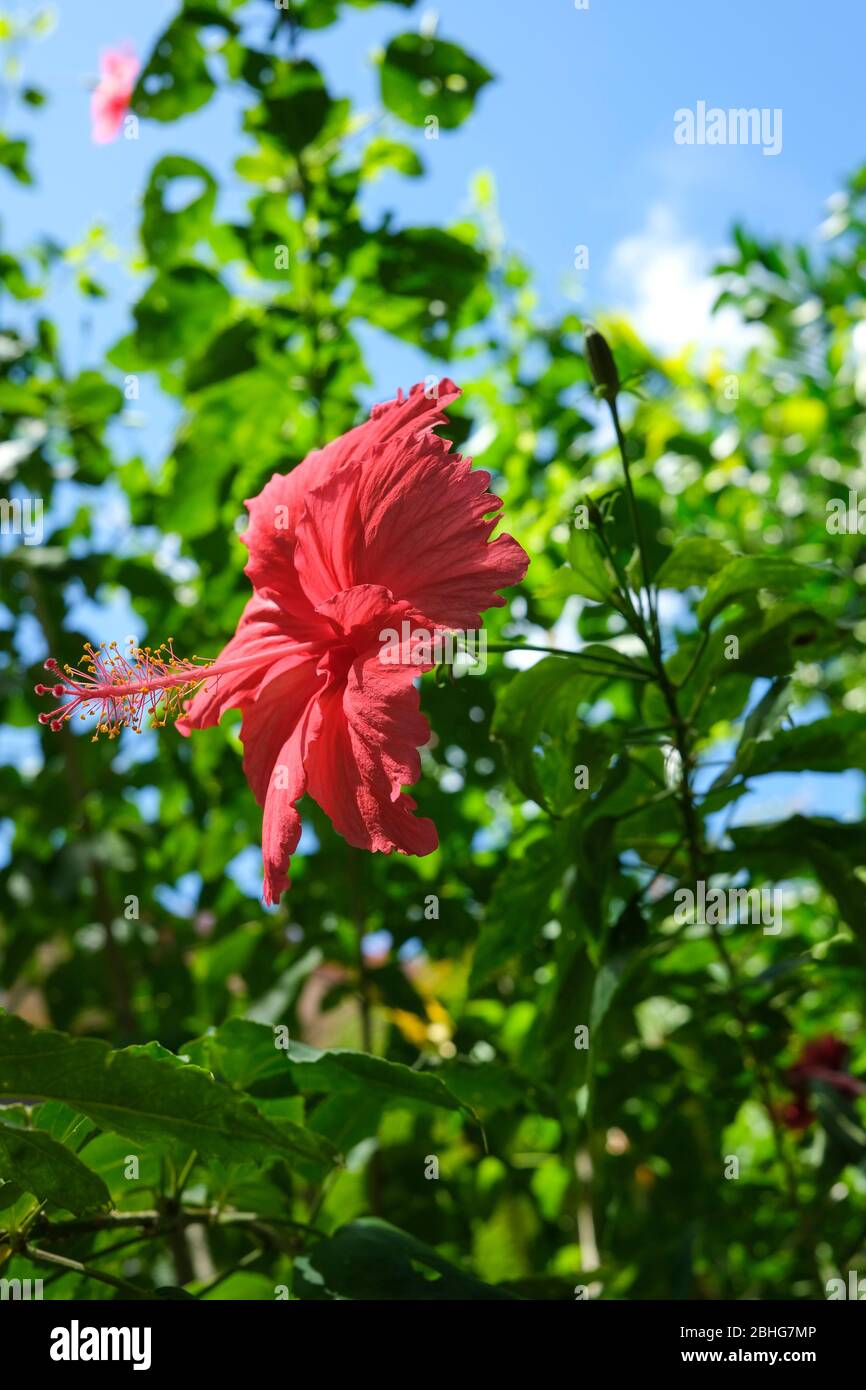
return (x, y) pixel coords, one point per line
(824, 1060)
(109, 101)
(384, 526)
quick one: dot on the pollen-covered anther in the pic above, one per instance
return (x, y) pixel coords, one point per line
(137, 688)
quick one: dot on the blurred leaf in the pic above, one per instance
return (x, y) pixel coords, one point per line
(167, 230)
(13, 156)
(748, 576)
(590, 573)
(175, 79)
(536, 720)
(424, 77)
(694, 561)
(372, 1259)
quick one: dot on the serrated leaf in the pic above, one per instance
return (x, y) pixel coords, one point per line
(338, 1070)
(247, 1055)
(145, 1097)
(39, 1164)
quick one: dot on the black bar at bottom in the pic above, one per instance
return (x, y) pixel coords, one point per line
(222, 1338)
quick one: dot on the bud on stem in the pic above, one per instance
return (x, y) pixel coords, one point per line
(601, 364)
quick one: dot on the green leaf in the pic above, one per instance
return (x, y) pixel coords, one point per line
(832, 849)
(146, 1098)
(231, 352)
(489, 1086)
(383, 154)
(318, 14)
(182, 306)
(167, 231)
(40, 1165)
(13, 156)
(295, 102)
(519, 903)
(422, 77)
(749, 575)
(247, 1056)
(590, 573)
(625, 939)
(826, 745)
(427, 263)
(693, 562)
(773, 641)
(768, 711)
(175, 79)
(764, 717)
(91, 400)
(420, 284)
(370, 1259)
(339, 1070)
(536, 720)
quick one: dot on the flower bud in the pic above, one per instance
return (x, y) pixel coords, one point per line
(601, 364)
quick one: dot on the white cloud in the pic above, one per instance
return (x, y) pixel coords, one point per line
(659, 278)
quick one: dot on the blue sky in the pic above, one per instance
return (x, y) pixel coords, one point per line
(577, 131)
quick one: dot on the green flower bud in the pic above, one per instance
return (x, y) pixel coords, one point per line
(601, 364)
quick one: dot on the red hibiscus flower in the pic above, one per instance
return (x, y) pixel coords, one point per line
(823, 1060)
(384, 527)
(109, 102)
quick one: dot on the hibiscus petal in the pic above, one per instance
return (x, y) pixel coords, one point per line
(277, 510)
(281, 824)
(278, 729)
(366, 751)
(262, 648)
(416, 519)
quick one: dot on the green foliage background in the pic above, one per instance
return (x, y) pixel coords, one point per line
(304, 1170)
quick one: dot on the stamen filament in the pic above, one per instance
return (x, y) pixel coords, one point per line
(123, 688)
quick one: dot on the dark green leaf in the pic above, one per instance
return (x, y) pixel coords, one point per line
(372, 1259)
(39, 1164)
(145, 1098)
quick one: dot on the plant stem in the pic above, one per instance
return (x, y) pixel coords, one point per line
(636, 523)
(356, 880)
(612, 666)
(33, 1252)
(692, 827)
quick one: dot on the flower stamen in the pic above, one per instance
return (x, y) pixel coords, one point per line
(124, 690)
